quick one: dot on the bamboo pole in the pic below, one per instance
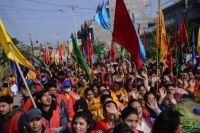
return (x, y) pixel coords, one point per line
(21, 74)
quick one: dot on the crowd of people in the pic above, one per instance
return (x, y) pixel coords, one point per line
(121, 99)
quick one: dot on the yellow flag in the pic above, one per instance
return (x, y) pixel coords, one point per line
(5, 40)
(198, 43)
(163, 43)
(63, 47)
(158, 30)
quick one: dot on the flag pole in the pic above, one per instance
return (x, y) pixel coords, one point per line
(21, 74)
(159, 42)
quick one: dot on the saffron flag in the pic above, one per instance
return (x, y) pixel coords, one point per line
(59, 54)
(80, 58)
(124, 32)
(5, 41)
(162, 41)
(198, 43)
(53, 56)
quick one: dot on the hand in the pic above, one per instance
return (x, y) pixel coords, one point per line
(154, 78)
(163, 93)
(144, 74)
(181, 91)
(74, 95)
(172, 99)
(111, 108)
(192, 83)
(152, 104)
(134, 95)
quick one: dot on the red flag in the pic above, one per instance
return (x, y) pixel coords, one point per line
(124, 32)
(168, 60)
(144, 40)
(46, 56)
(60, 54)
(139, 30)
(89, 50)
(112, 52)
(175, 39)
(183, 32)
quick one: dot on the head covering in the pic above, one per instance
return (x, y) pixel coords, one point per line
(33, 113)
(67, 83)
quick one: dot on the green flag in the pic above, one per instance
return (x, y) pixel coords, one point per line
(179, 60)
(99, 52)
(122, 53)
(80, 58)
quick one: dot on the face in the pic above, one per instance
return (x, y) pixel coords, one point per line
(108, 115)
(35, 125)
(95, 89)
(53, 90)
(46, 99)
(5, 108)
(171, 90)
(138, 107)
(102, 88)
(142, 90)
(24, 92)
(67, 89)
(90, 95)
(80, 125)
(150, 98)
(132, 121)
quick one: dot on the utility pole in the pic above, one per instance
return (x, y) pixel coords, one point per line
(73, 14)
(31, 44)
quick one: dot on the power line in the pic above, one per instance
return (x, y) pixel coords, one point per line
(28, 9)
(59, 5)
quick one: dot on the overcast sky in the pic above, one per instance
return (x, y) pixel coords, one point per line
(49, 20)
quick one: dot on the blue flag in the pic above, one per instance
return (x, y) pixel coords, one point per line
(193, 49)
(24, 70)
(100, 20)
(142, 50)
(105, 14)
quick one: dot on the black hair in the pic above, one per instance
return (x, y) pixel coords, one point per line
(87, 90)
(106, 90)
(104, 97)
(81, 104)
(7, 99)
(122, 128)
(41, 93)
(167, 122)
(49, 84)
(127, 111)
(133, 100)
(87, 116)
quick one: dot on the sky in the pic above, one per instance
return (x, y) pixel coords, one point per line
(50, 20)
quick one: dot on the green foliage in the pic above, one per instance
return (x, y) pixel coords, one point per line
(15, 41)
(151, 52)
(98, 45)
